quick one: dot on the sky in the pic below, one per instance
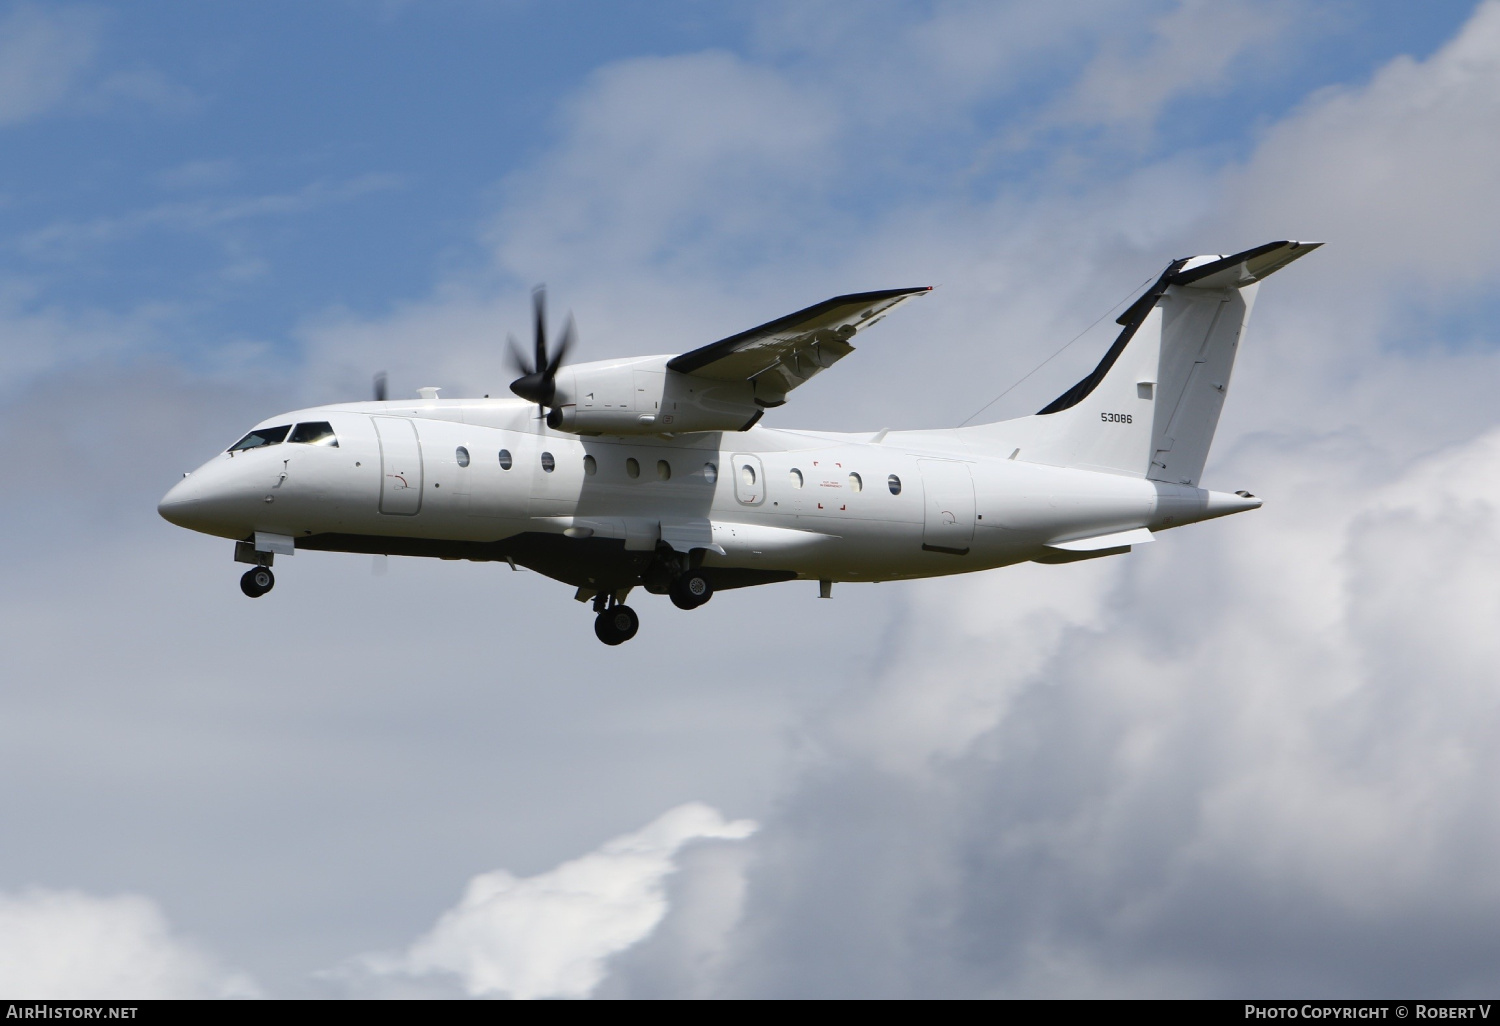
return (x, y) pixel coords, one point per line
(1255, 759)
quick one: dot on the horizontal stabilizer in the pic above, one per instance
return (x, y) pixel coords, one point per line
(1218, 272)
(1239, 270)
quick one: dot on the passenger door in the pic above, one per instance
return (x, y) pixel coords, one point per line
(400, 466)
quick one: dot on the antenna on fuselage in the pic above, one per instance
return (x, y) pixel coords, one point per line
(380, 387)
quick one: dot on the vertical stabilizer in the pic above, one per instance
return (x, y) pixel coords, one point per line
(1150, 408)
(1201, 331)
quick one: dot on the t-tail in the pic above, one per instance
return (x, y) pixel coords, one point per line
(1149, 409)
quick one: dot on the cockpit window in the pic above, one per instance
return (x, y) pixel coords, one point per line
(262, 436)
(319, 432)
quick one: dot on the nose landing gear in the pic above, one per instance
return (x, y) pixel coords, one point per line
(257, 581)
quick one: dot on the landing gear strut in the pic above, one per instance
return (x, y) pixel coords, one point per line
(616, 625)
(258, 581)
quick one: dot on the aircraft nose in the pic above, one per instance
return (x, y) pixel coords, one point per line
(215, 499)
(177, 506)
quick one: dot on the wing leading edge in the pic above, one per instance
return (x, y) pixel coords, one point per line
(779, 355)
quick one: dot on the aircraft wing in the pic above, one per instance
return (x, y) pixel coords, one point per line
(781, 354)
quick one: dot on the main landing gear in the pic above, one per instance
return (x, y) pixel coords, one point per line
(258, 581)
(690, 590)
(616, 624)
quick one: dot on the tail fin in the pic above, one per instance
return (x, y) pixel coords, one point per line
(1149, 409)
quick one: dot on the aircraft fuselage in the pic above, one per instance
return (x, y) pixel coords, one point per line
(486, 480)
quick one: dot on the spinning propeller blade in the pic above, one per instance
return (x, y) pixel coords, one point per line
(538, 380)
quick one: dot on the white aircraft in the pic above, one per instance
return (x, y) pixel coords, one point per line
(653, 472)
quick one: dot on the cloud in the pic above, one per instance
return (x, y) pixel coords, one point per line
(51, 59)
(196, 175)
(139, 87)
(44, 51)
(651, 148)
(63, 239)
(684, 956)
(1394, 170)
(47, 343)
(549, 935)
(40, 339)
(1190, 49)
(70, 945)
(908, 69)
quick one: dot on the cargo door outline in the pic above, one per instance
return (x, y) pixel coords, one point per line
(947, 506)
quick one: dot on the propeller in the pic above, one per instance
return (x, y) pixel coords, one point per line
(538, 380)
(380, 390)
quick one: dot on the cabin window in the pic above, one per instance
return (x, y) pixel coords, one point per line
(505, 462)
(710, 473)
(856, 483)
(894, 483)
(590, 466)
(663, 470)
(796, 477)
(461, 456)
(548, 463)
(261, 437)
(632, 468)
(319, 432)
(747, 475)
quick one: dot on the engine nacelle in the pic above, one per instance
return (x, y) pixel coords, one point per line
(642, 397)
